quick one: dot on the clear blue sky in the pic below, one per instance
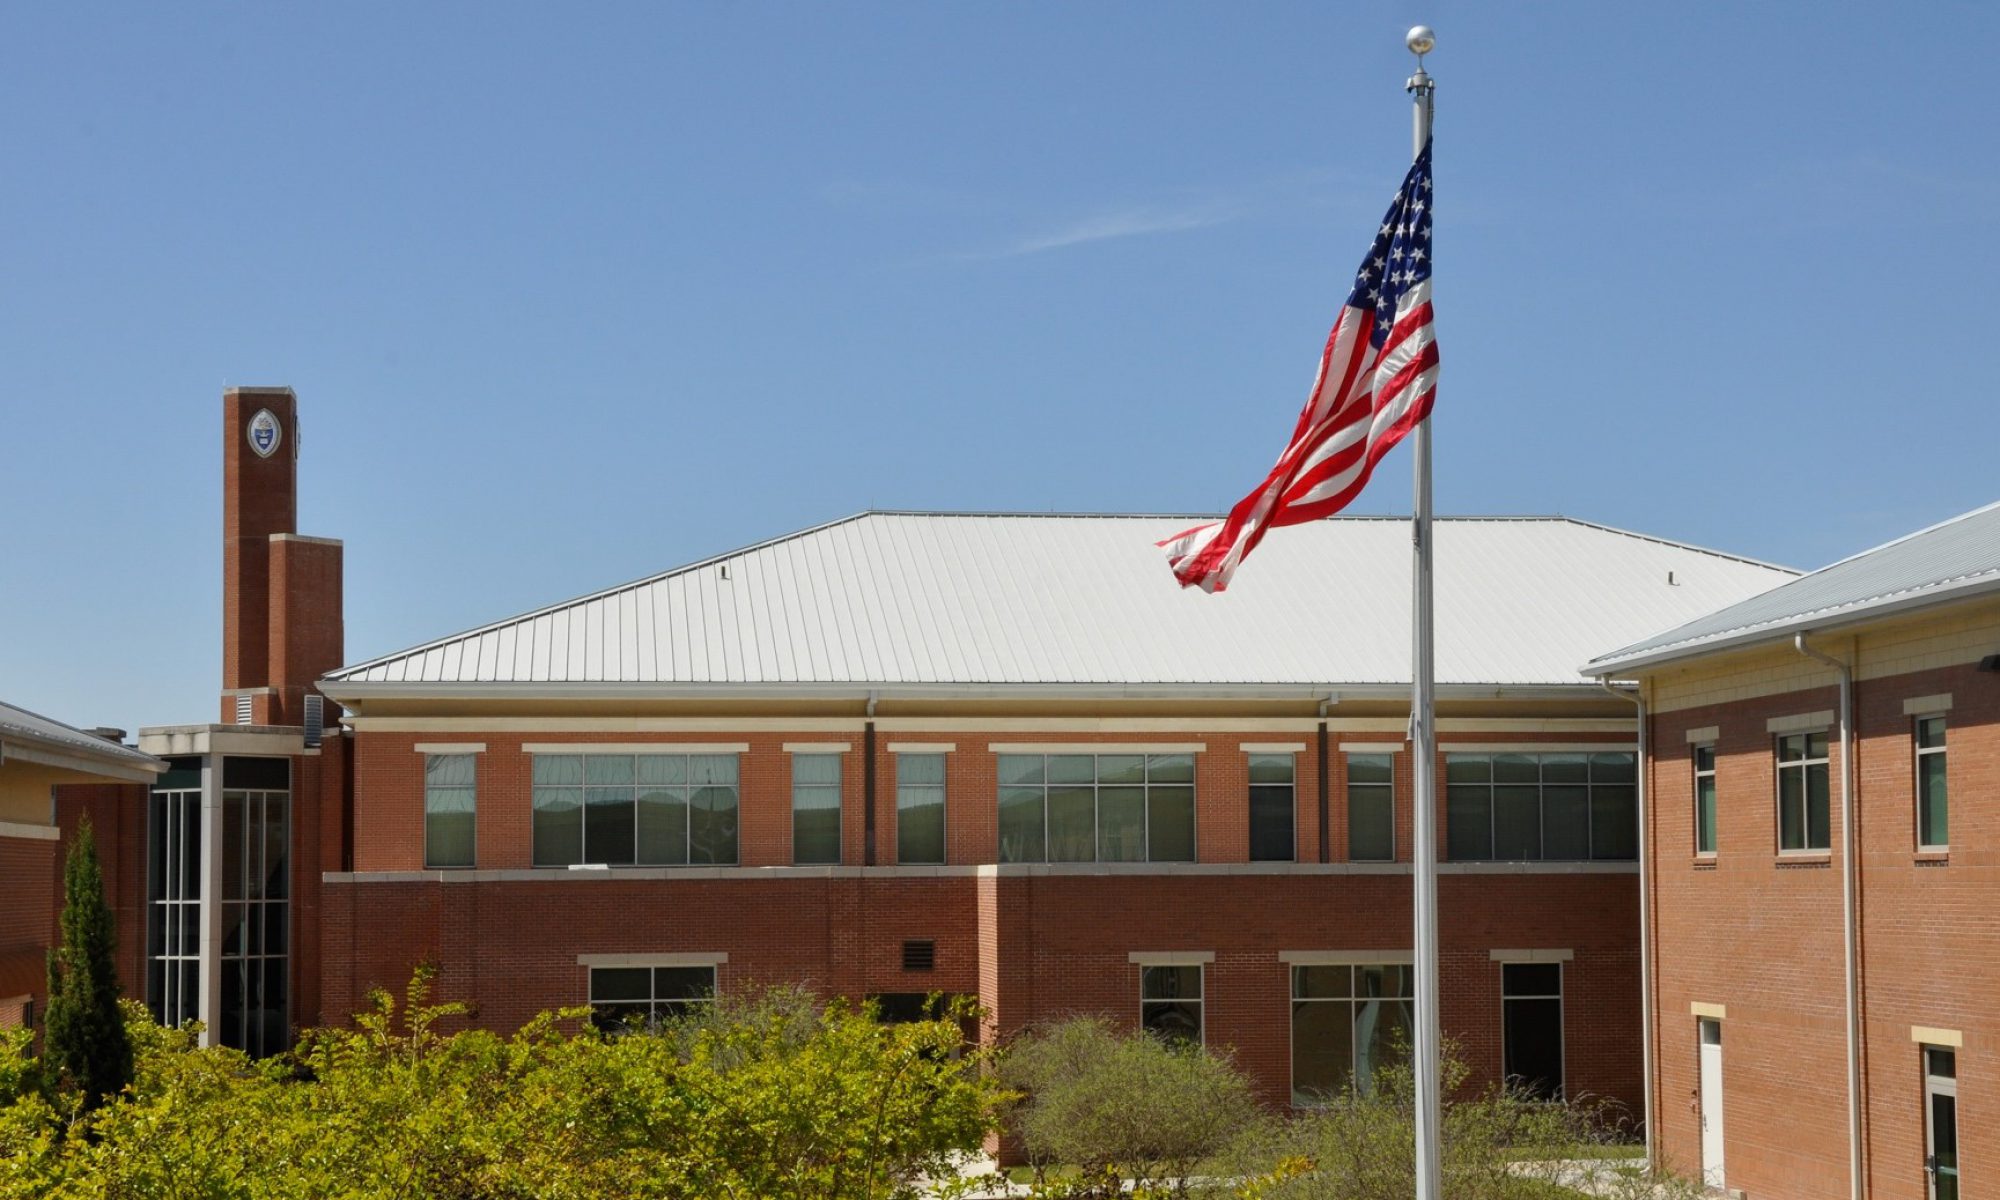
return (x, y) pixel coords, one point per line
(573, 293)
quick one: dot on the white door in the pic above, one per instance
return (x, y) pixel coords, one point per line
(1711, 1104)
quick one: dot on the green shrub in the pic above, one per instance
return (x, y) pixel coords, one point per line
(1123, 1107)
(1500, 1145)
(769, 1096)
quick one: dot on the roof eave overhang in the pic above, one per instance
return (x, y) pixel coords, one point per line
(1824, 621)
(355, 693)
(130, 767)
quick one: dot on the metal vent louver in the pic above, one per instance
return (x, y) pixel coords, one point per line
(242, 710)
(920, 955)
(315, 719)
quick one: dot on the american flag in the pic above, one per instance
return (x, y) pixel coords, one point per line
(1377, 379)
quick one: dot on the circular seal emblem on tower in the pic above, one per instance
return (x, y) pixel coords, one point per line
(265, 433)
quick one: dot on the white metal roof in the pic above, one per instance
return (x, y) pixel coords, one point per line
(1951, 560)
(935, 598)
(32, 737)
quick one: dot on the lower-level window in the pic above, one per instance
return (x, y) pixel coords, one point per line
(625, 998)
(1170, 1003)
(1348, 1021)
(1532, 1027)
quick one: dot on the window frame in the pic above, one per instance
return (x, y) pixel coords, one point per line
(585, 750)
(839, 786)
(1351, 1001)
(1200, 1000)
(1918, 753)
(1590, 786)
(1096, 786)
(1251, 785)
(1803, 765)
(654, 1003)
(472, 862)
(1347, 793)
(1714, 799)
(1561, 964)
(943, 787)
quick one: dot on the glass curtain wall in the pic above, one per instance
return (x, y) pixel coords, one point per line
(254, 1012)
(173, 894)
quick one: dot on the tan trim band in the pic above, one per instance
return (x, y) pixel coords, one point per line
(1810, 722)
(1343, 958)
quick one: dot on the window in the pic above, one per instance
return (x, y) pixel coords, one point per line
(1528, 807)
(1933, 814)
(1170, 1003)
(1802, 792)
(1371, 808)
(1096, 808)
(450, 805)
(1532, 1028)
(252, 1012)
(173, 894)
(635, 809)
(815, 808)
(1273, 825)
(1704, 799)
(920, 808)
(1348, 1021)
(627, 998)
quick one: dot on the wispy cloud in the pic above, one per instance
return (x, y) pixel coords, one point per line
(1122, 223)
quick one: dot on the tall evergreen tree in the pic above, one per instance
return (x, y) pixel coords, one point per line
(86, 1046)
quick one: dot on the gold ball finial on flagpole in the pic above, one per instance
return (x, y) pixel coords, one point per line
(1421, 40)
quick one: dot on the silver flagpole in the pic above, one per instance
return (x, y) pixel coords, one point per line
(1423, 749)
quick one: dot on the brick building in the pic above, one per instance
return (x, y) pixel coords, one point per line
(904, 753)
(1823, 861)
(38, 757)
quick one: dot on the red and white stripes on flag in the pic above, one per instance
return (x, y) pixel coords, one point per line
(1377, 379)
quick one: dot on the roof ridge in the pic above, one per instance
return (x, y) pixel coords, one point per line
(1932, 528)
(1680, 545)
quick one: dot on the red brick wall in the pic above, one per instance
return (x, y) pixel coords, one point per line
(305, 626)
(28, 883)
(1763, 938)
(1033, 947)
(118, 819)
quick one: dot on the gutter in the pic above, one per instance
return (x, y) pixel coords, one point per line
(1645, 915)
(1857, 1183)
(351, 692)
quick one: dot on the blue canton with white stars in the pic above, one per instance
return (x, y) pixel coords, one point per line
(1401, 255)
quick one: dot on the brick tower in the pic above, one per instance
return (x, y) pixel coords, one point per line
(281, 591)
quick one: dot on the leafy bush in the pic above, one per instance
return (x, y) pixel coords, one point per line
(771, 1096)
(1123, 1107)
(1500, 1145)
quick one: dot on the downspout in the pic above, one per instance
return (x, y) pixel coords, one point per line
(1643, 773)
(1857, 1186)
(1325, 768)
(868, 785)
